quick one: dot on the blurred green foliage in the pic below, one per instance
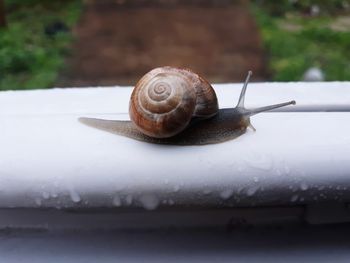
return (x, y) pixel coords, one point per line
(29, 58)
(296, 42)
(279, 8)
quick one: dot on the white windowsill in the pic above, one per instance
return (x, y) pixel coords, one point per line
(50, 160)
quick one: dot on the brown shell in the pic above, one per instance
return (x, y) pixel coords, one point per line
(165, 100)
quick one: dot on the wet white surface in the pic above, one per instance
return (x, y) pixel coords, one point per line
(56, 161)
(49, 159)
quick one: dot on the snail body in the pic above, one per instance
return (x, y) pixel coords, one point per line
(182, 111)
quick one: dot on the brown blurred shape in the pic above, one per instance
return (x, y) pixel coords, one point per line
(118, 41)
(2, 14)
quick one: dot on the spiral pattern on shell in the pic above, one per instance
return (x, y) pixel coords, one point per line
(165, 100)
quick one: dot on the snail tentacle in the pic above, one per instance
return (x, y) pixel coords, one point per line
(252, 112)
(241, 99)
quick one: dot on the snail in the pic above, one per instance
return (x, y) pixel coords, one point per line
(176, 106)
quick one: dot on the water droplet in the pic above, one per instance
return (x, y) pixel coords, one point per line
(119, 187)
(117, 201)
(176, 188)
(252, 190)
(321, 187)
(226, 194)
(260, 161)
(74, 196)
(46, 195)
(171, 202)
(207, 191)
(54, 195)
(302, 199)
(58, 204)
(338, 187)
(128, 199)
(286, 169)
(149, 201)
(256, 179)
(304, 186)
(38, 201)
(294, 198)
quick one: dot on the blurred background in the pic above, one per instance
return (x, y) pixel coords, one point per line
(46, 43)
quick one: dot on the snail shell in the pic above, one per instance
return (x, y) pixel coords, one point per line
(165, 100)
(180, 91)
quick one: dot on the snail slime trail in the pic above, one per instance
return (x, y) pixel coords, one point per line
(178, 107)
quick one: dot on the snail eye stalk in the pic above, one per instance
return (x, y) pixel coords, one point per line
(271, 107)
(240, 103)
